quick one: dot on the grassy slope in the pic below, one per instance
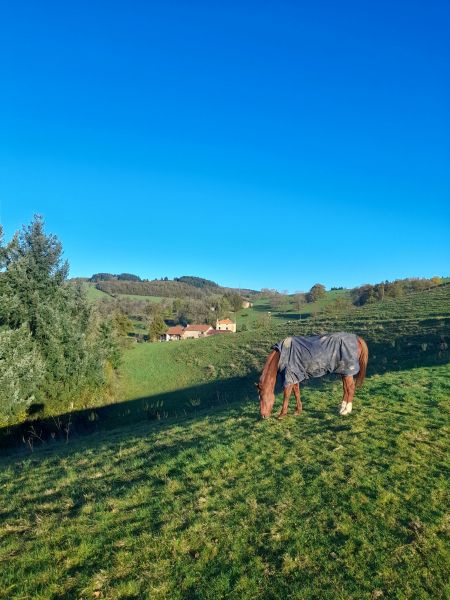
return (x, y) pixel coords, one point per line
(226, 506)
(287, 310)
(93, 293)
(219, 504)
(151, 369)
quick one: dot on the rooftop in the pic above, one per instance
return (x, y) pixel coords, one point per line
(176, 330)
(194, 327)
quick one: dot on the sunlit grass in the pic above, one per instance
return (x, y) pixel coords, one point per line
(224, 505)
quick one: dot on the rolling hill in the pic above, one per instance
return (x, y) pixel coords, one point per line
(179, 491)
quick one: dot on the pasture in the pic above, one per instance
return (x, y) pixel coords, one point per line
(223, 505)
(180, 491)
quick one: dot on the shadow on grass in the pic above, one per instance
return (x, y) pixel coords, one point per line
(180, 403)
(400, 354)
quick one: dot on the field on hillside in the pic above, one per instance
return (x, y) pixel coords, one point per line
(175, 378)
(286, 309)
(223, 505)
(179, 490)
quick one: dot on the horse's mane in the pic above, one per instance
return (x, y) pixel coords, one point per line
(269, 373)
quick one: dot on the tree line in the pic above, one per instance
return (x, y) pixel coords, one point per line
(368, 293)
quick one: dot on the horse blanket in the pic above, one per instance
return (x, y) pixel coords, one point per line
(302, 357)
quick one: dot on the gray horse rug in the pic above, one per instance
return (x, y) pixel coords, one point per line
(302, 357)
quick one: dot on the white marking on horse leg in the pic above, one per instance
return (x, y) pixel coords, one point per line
(343, 405)
(348, 409)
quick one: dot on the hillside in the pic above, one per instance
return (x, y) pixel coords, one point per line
(411, 331)
(222, 505)
(176, 378)
(180, 491)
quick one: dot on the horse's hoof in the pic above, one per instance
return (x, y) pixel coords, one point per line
(281, 416)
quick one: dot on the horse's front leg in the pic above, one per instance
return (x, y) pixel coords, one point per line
(298, 407)
(286, 397)
(349, 391)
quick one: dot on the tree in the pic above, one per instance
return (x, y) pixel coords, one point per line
(299, 300)
(128, 277)
(66, 349)
(102, 277)
(157, 327)
(315, 293)
(234, 300)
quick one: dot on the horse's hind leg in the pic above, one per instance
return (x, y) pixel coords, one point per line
(349, 390)
(298, 407)
(286, 397)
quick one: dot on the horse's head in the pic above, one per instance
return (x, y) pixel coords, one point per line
(266, 399)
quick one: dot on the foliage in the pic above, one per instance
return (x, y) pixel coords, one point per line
(156, 328)
(235, 300)
(35, 296)
(102, 277)
(157, 287)
(368, 293)
(128, 277)
(315, 293)
(198, 282)
(21, 372)
(299, 299)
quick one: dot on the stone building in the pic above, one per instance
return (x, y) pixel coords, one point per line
(226, 325)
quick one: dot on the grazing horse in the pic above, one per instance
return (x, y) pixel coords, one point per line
(300, 357)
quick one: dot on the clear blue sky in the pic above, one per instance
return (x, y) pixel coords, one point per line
(259, 144)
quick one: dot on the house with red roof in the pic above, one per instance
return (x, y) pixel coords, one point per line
(173, 333)
(196, 331)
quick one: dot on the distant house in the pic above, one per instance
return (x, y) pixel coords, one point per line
(196, 331)
(225, 325)
(247, 304)
(173, 333)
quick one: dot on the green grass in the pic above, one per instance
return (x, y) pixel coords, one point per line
(182, 493)
(288, 309)
(93, 294)
(225, 506)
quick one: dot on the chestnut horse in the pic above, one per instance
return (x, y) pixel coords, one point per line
(266, 385)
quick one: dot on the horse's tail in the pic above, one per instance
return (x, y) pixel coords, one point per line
(363, 360)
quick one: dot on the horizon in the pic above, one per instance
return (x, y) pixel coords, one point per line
(272, 146)
(281, 291)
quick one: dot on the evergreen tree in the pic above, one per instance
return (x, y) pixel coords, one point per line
(64, 343)
(157, 328)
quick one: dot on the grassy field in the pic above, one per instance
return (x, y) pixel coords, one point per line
(262, 306)
(225, 506)
(179, 491)
(93, 294)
